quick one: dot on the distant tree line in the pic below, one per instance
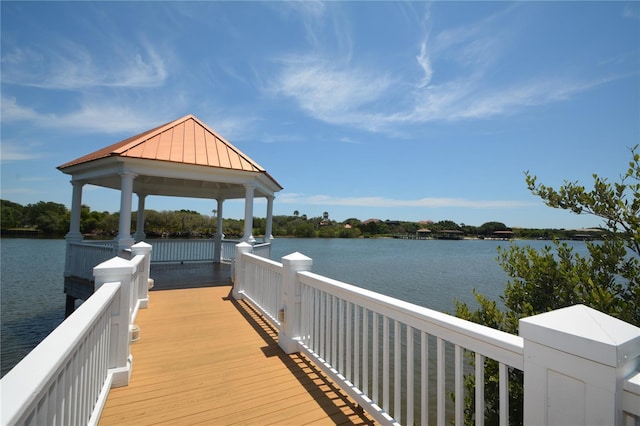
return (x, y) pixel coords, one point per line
(51, 218)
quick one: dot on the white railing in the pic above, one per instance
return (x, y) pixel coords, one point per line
(402, 362)
(83, 255)
(188, 250)
(229, 250)
(191, 250)
(631, 400)
(262, 249)
(383, 348)
(67, 377)
(262, 280)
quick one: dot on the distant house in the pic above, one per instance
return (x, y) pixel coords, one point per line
(449, 234)
(368, 221)
(502, 235)
(587, 234)
(423, 234)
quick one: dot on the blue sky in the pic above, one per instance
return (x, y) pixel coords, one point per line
(391, 110)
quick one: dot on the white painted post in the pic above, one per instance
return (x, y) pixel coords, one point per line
(268, 232)
(576, 361)
(124, 240)
(143, 291)
(217, 247)
(238, 274)
(74, 233)
(140, 217)
(248, 214)
(120, 270)
(290, 328)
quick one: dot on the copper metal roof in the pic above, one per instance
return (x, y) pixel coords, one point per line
(183, 158)
(186, 140)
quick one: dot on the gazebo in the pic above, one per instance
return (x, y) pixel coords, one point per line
(183, 158)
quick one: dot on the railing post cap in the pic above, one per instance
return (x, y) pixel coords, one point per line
(115, 265)
(584, 331)
(297, 258)
(142, 245)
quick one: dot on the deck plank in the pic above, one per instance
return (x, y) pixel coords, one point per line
(204, 358)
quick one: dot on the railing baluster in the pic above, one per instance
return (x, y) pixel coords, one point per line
(503, 377)
(479, 392)
(365, 351)
(410, 376)
(375, 366)
(356, 345)
(424, 378)
(348, 352)
(385, 363)
(341, 329)
(316, 322)
(397, 371)
(440, 399)
(323, 325)
(334, 330)
(459, 385)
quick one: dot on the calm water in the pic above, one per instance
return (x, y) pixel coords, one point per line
(430, 273)
(31, 294)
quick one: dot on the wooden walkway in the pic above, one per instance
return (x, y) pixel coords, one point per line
(204, 358)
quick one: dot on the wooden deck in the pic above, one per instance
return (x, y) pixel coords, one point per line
(205, 358)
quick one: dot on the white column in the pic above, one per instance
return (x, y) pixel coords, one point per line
(217, 249)
(289, 333)
(239, 269)
(248, 214)
(74, 233)
(143, 291)
(268, 232)
(140, 217)
(124, 240)
(119, 270)
(576, 361)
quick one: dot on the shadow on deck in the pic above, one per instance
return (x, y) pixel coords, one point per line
(206, 358)
(172, 276)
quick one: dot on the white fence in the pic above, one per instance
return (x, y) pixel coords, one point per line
(67, 377)
(402, 362)
(83, 255)
(261, 283)
(191, 250)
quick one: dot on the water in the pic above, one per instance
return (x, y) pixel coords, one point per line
(31, 295)
(430, 273)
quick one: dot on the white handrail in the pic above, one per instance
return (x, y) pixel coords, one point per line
(263, 285)
(83, 255)
(631, 399)
(342, 324)
(400, 361)
(65, 378)
(182, 250)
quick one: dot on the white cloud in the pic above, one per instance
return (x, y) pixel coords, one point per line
(292, 198)
(68, 65)
(97, 117)
(328, 91)
(425, 64)
(336, 90)
(10, 151)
